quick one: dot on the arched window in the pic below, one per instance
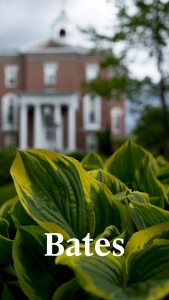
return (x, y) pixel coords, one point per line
(92, 112)
(9, 112)
(116, 120)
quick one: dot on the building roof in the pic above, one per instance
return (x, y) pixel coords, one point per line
(53, 47)
(62, 18)
(9, 52)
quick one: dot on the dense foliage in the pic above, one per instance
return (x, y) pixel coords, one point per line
(127, 197)
(150, 132)
(6, 158)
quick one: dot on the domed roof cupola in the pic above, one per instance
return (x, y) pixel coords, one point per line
(61, 28)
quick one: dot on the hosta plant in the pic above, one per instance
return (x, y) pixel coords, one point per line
(125, 197)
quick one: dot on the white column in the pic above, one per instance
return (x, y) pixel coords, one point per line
(59, 128)
(71, 128)
(23, 127)
(38, 133)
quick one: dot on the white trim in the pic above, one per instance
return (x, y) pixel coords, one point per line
(50, 99)
(71, 128)
(59, 127)
(56, 50)
(38, 134)
(23, 133)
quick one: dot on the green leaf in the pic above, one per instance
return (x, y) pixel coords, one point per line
(67, 290)
(143, 238)
(100, 276)
(62, 197)
(6, 294)
(37, 274)
(12, 291)
(5, 250)
(148, 214)
(111, 278)
(113, 183)
(20, 216)
(138, 197)
(151, 263)
(92, 161)
(163, 173)
(137, 169)
(4, 227)
(5, 212)
(148, 290)
(5, 208)
(157, 201)
(71, 290)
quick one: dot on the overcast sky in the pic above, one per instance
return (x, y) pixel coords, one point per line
(26, 21)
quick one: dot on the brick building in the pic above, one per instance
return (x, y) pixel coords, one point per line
(42, 104)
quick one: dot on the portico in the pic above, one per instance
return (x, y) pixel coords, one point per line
(48, 124)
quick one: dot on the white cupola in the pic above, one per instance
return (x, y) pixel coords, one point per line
(62, 28)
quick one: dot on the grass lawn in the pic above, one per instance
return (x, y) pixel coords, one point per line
(7, 192)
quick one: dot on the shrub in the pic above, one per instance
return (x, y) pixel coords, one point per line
(7, 192)
(121, 198)
(78, 155)
(6, 158)
(105, 142)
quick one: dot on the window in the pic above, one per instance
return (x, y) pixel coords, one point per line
(92, 112)
(92, 71)
(11, 76)
(50, 73)
(91, 142)
(62, 33)
(9, 112)
(116, 117)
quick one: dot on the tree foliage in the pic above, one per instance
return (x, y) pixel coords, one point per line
(141, 26)
(150, 131)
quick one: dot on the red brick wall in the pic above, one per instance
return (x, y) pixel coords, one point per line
(71, 72)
